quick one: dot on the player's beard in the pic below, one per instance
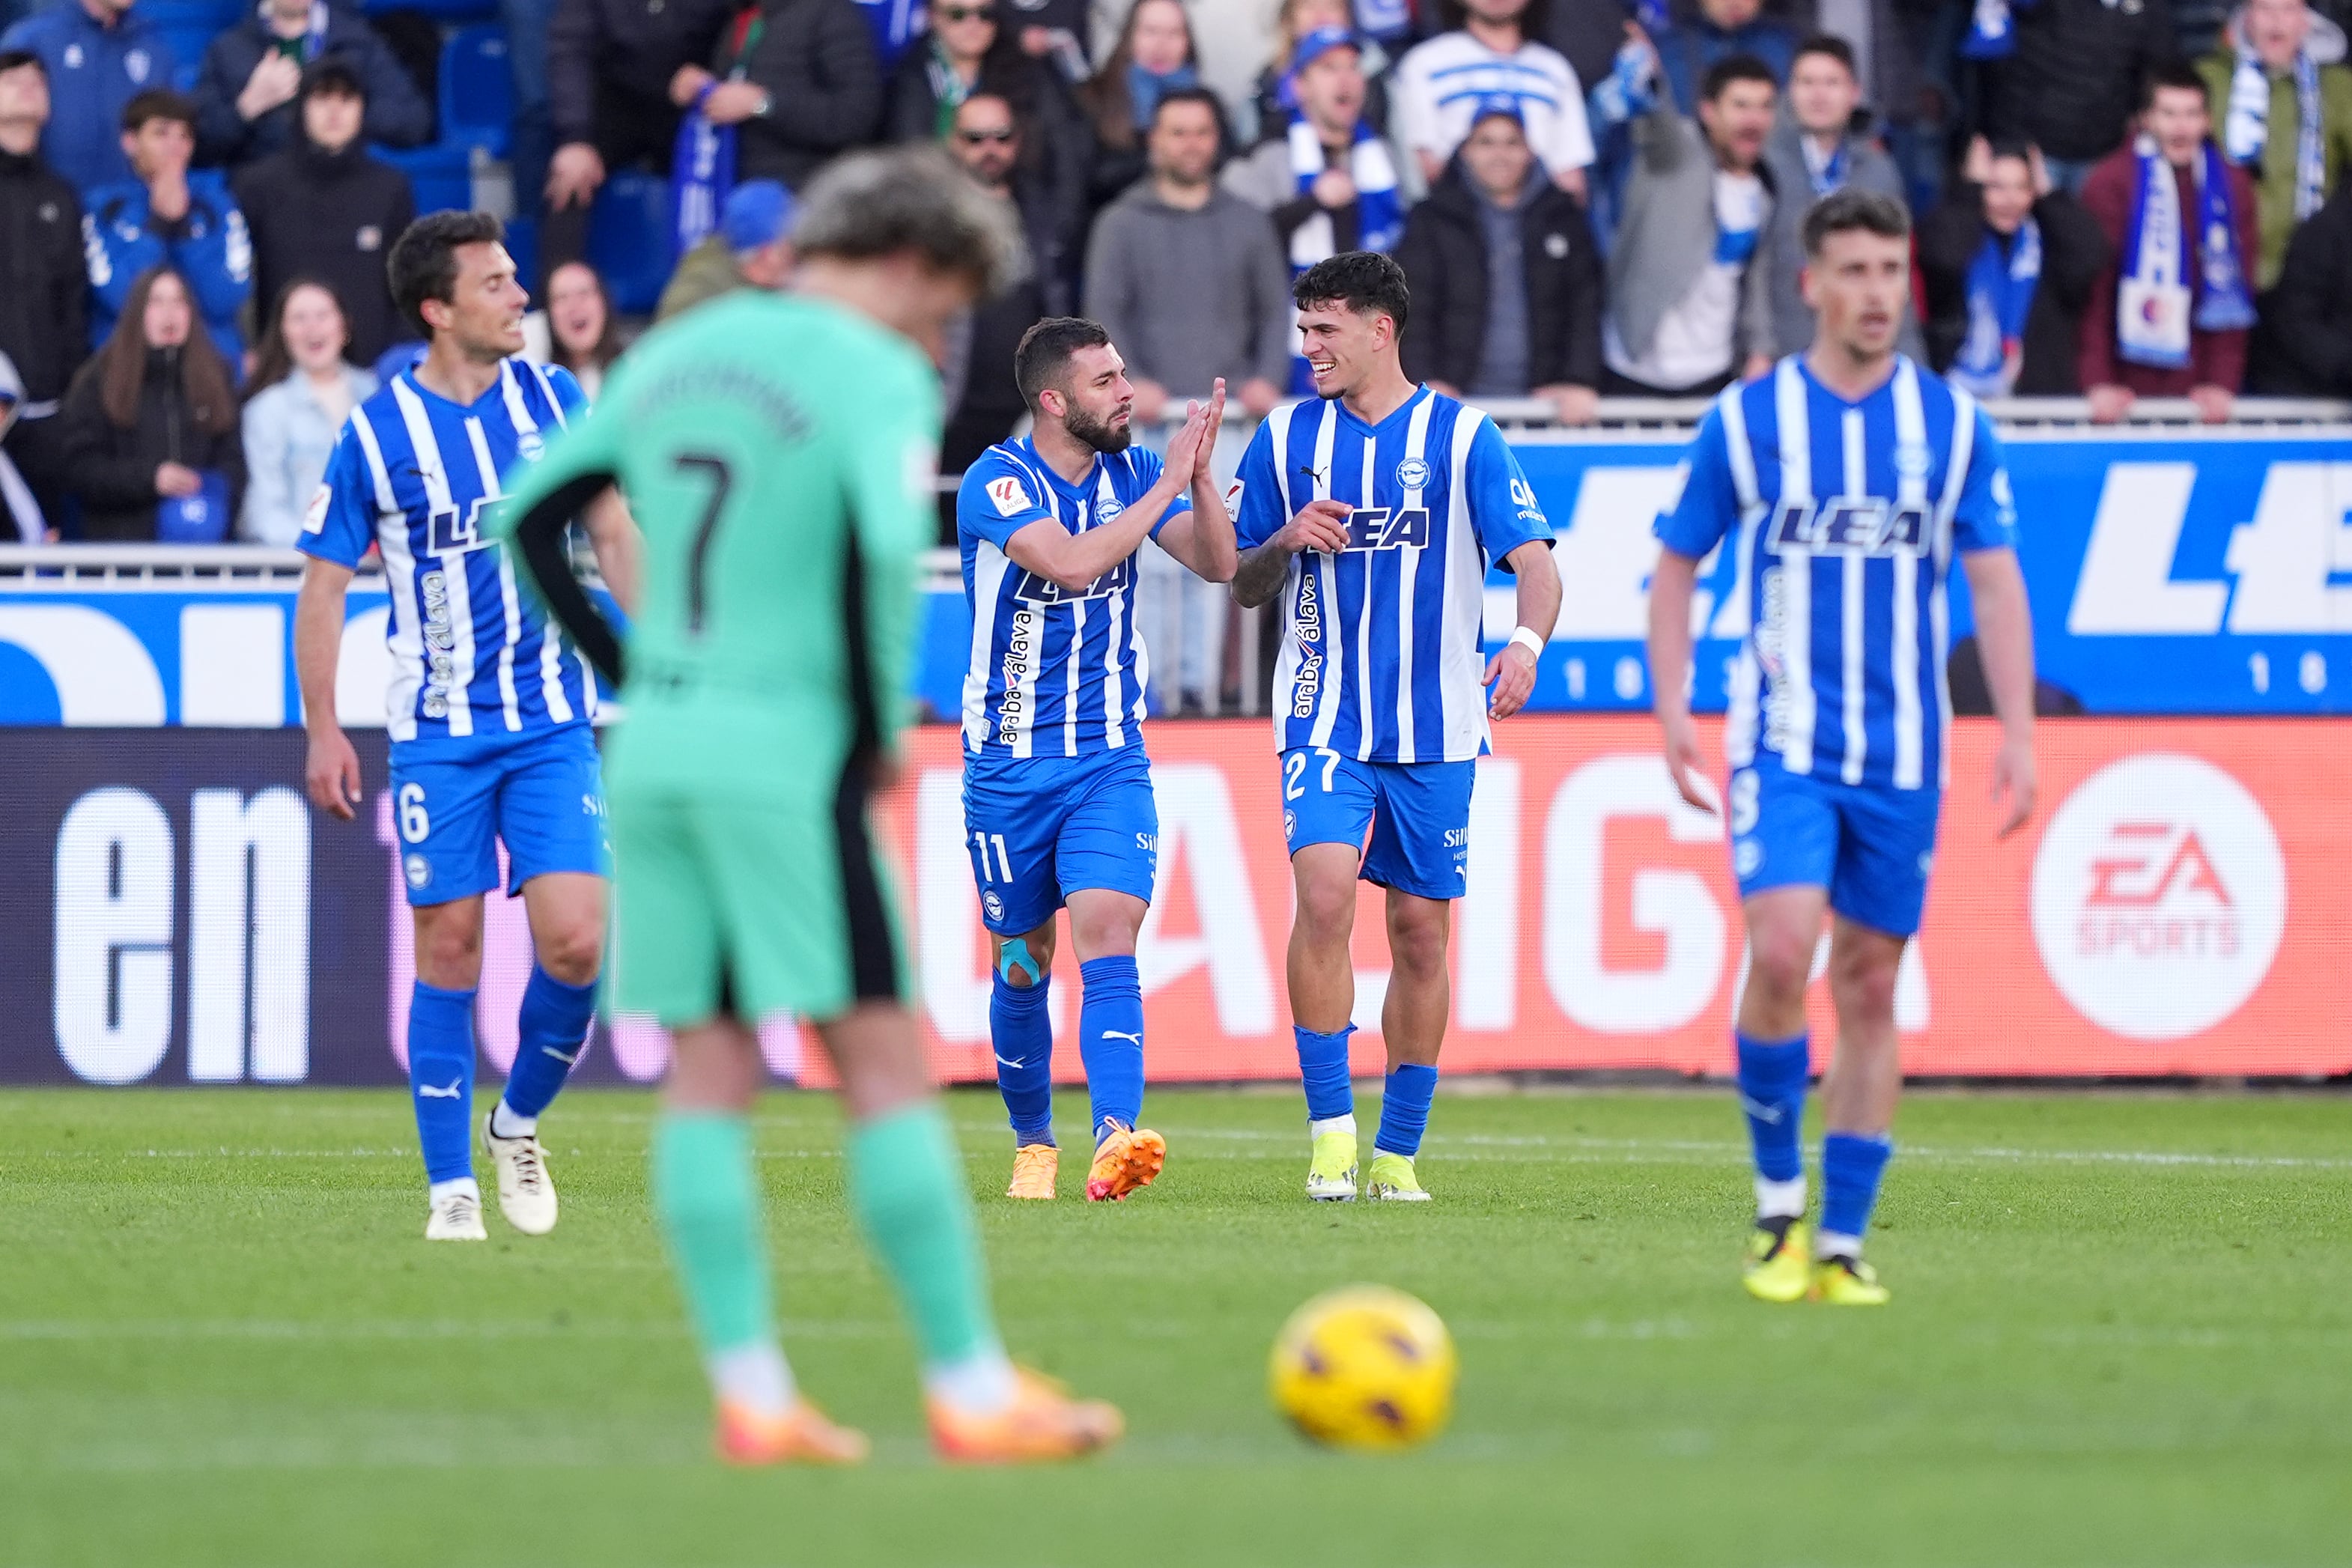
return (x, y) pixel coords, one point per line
(1099, 433)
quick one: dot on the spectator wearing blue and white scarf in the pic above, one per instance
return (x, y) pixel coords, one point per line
(1329, 184)
(2008, 262)
(2285, 106)
(2171, 317)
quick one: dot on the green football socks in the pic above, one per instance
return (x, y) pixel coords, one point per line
(907, 1186)
(708, 1199)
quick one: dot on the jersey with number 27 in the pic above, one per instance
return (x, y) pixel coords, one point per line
(1382, 657)
(412, 474)
(1844, 518)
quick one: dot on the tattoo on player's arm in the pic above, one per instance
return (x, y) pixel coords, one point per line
(1259, 576)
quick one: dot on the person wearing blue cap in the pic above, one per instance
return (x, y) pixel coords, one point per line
(750, 249)
(1329, 183)
(1487, 51)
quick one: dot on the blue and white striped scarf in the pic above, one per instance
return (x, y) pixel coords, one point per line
(1380, 215)
(2246, 129)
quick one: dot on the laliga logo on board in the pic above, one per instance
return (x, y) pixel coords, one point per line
(2160, 897)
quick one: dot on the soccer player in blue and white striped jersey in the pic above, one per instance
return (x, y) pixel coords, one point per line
(1846, 481)
(1057, 800)
(489, 710)
(1373, 515)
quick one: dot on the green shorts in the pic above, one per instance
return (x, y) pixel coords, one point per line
(750, 908)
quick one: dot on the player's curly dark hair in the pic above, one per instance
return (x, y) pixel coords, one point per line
(1365, 281)
(423, 261)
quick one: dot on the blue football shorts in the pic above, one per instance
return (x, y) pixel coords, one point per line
(453, 802)
(1418, 814)
(1870, 846)
(1041, 828)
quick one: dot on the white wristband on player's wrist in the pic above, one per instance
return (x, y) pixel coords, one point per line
(1526, 637)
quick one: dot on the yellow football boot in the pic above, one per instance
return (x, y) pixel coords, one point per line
(801, 1436)
(1130, 1157)
(1392, 1180)
(1034, 1167)
(1848, 1282)
(1776, 1269)
(1044, 1423)
(1332, 1178)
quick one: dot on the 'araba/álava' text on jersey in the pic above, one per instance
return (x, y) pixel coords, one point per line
(412, 473)
(1381, 657)
(1055, 671)
(1847, 516)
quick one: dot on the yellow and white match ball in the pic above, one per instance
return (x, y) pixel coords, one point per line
(1364, 1367)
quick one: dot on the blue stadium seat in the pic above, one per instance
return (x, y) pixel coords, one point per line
(442, 175)
(628, 239)
(477, 90)
(439, 10)
(522, 244)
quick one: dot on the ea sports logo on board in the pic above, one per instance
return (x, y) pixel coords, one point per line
(2160, 897)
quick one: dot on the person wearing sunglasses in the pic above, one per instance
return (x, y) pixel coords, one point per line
(974, 46)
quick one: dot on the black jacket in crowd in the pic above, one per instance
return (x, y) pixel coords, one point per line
(331, 216)
(1057, 142)
(2073, 85)
(42, 283)
(2304, 346)
(397, 114)
(1443, 254)
(629, 48)
(2075, 252)
(817, 60)
(114, 470)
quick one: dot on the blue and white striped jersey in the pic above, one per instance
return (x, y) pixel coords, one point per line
(411, 474)
(1381, 651)
(1054, 671)
(1847, 517)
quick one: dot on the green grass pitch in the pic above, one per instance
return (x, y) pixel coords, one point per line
(2122, 1334)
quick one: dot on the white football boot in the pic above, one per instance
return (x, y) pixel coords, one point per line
(526, 1194)
(457, 1215)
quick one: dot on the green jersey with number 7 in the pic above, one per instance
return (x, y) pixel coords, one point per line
(778, 453)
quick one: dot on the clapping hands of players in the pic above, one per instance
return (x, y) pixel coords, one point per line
(1187, 449)
(1204, 466)
(1512, 674)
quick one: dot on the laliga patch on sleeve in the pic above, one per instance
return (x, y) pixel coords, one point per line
(1011, 500)
(314, 516)
(1233, 498)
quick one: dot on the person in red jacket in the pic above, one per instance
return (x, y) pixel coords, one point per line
(2172, 316)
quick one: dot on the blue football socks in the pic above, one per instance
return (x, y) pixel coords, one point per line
(1852, 1166)
(441, 1079)
(1110, 1038)
(1404, 1110)
(1323, 1067)
(1773, 1093)
(552, 1028)
(1020, 1027)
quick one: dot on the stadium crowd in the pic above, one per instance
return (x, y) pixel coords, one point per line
(1591, 198)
